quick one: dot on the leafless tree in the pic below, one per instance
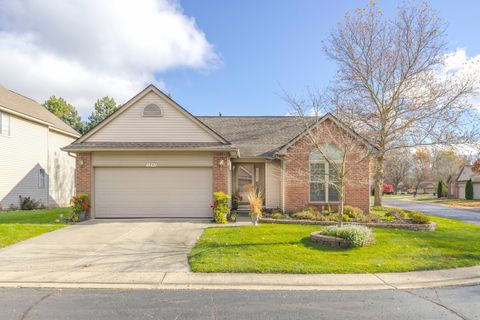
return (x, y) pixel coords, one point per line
(397, 167)
(393, 84)
(342, 152)
(446, 162)
(421, 167)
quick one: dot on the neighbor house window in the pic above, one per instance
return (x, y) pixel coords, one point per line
(42, 177)
(152, 110)
(4, 124)
(323, 175)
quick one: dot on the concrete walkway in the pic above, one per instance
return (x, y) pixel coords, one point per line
(246, 281)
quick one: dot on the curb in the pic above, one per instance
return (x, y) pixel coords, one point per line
(239, 281)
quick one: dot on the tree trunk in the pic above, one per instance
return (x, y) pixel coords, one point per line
(341, 204)
(379, 176)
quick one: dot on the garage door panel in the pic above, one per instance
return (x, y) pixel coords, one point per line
(153, 192)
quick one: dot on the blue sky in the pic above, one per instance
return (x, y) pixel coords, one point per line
(270, 44)
(212, 56)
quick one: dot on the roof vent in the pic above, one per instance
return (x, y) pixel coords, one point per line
(152, 110)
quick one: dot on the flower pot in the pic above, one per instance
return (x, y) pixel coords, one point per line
(255, 221)
(81, 216)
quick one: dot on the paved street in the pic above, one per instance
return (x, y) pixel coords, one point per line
(435, 304)
(435, 209)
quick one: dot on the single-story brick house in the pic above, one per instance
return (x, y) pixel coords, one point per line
(152, 158)
(457, 182)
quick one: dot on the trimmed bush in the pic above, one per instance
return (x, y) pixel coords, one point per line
(469, 190)
(419, 218)
(27, 203)
(395, 213)
(277, 215)
(306, 214)
(357, 236)
(352, 212)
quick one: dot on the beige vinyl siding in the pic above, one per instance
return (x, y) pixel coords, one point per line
(461, 190)
(160, 159)
(61, 168)
(132, 126)
(273, 181)
(22, 155)
(476, 191)
(153, 192)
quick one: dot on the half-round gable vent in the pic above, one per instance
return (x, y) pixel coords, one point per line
(152, 110)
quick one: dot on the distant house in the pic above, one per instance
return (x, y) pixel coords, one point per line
(32, 163)
(456, 183)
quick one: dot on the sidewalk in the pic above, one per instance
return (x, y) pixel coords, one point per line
(245, 281)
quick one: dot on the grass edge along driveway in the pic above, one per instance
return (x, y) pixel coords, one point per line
(19, 225)
(282, 248)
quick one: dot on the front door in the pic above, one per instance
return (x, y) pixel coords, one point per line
(247, 177)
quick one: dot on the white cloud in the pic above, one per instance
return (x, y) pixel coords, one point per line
(460, 63)
(83, 50)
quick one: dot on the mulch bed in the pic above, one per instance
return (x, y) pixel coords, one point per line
(403, 224)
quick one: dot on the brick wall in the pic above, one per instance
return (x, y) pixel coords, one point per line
(220, 171)
(83, 174)
(297, 172)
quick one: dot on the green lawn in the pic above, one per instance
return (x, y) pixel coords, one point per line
(16, 226)
(424, 198)
(276, 248)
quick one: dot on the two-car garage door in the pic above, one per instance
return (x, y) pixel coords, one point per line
(153, 192)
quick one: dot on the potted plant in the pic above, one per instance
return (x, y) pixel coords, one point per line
(220, 207)
(233, 216)
(255, 199)
(79, 205)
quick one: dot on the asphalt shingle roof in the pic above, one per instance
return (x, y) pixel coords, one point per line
(26, 106)
(256, 136)
(147, 145)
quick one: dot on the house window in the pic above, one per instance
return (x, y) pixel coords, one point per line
(323, 174)
(152, 110)
(4, 124)
(42, 177)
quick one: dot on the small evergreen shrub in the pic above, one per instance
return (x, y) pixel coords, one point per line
(419, 218)
(469, 190)
(306, 214)
(27, 203)
(357, 236)
(439, 189)
(220, 207)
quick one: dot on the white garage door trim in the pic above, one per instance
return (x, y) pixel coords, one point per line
(165, 192)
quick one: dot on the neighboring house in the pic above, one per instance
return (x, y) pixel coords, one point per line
(457, 184)
(32, 163)
(152, 158)
(427, 187)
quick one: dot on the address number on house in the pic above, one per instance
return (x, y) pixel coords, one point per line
(151, 164)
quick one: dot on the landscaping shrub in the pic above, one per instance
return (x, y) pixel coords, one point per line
(419, 218)
(469, 190)
(277, 215)
(442, 190)
(352, 212)
(306, 214)
(357, 236)
(395, 213)
(28, 203)
(220, 207)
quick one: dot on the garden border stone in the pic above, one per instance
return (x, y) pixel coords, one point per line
(432, 226)
(329, 240)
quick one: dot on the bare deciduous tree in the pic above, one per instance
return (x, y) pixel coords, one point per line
(338, 155)
(397, 167)
(393, 85)
(421, 167)
(446, 162)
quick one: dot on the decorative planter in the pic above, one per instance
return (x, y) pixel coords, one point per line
(255, 221)
(81, 216)
(328, 240)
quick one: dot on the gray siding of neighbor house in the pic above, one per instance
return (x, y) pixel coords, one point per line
(29, 148)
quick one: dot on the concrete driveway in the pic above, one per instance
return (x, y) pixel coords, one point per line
(106, 246)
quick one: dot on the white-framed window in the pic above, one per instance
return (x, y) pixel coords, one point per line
(323, 175)
(4, 124)
(152, 110)
(42, 178)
